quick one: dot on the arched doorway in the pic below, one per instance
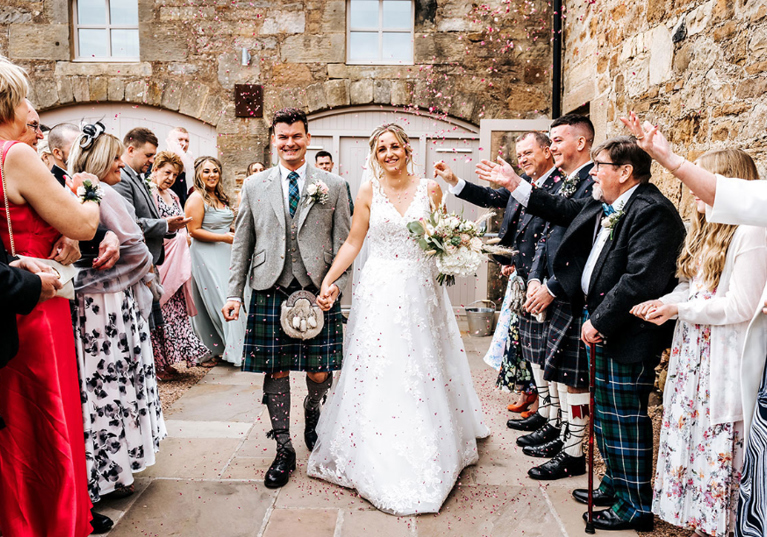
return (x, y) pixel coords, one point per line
(344, 133)
(121, 118)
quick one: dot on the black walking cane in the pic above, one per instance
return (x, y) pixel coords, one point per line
(592, 379)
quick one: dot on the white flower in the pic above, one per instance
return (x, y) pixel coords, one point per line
(311, 189)
(476, 244)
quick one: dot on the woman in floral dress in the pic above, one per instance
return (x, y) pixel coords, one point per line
(174, 341)
(121, 407)
(723, 269)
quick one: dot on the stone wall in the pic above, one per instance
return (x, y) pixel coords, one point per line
(694, 67)
(471, 62)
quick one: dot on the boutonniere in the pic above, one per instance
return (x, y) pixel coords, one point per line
(611, 220)
(148, 184)
(318, 192)
(569, 186)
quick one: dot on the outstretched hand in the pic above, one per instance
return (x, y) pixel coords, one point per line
(500, 173)
(327, 296)
(651, 140)
(443, 170)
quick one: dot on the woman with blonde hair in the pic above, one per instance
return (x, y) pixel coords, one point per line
(43, 485)
(174, 341)
(212, 236)
(121, 404)
(402, 347)
(722, 269)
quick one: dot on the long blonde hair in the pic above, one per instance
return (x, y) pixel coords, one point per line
(401, 136)
(14, 88)
(705, 248)
(199, 185)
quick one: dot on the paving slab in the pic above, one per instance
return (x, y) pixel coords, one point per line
(207, 429)
(218, 402)
(298, 522)
(226, 374)
(303, 491)
(170, 508)
(492, 511)
(374, 524)
(192, 458)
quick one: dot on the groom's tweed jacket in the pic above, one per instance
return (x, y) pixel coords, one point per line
(260, 247)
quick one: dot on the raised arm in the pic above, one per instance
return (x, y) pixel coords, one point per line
(29, 181)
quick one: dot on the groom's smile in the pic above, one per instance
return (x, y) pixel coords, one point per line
(291, 142)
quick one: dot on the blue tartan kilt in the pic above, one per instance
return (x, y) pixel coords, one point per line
(532, 337)
(268, 349)
(566, 358)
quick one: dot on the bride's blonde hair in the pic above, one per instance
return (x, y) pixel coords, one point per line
(402, 138)
(705, 247)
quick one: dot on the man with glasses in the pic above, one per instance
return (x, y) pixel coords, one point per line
(619, 250)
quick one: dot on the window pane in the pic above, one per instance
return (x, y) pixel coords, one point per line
(125, 43)
(398, 47)
(93, 43)
(363, 46)
(397, 14)
(364, 13)
(91, 12)
(123, 12)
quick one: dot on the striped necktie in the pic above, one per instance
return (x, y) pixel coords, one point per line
(293, 194)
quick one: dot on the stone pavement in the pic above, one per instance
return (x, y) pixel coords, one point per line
(208, 477)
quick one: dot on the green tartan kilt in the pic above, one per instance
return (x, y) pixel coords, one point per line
(268, 349)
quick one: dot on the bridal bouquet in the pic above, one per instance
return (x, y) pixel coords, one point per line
(455, 242)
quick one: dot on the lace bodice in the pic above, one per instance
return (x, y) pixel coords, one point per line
(388, 236)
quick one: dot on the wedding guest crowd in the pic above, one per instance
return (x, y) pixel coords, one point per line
(79, 398)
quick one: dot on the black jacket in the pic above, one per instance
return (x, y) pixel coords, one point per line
(19, 293)
(519, 229)
(88, 249)
(543, 262)
(637, 264)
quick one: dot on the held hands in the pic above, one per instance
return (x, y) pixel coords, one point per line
(231, 310)
(501, 173)
(443, 170)
(655, 311)
(177, 222)
(76, 181)
(539, 301)
(507, 270)
(328, 295)
(228, 237)
(109, 252)
(49, 280)
(65, 251)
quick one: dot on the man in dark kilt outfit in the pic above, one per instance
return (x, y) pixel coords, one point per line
(292, 220)
(565, 368)
(619, 250)
(519, 230)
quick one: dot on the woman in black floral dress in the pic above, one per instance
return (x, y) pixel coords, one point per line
(122, 413)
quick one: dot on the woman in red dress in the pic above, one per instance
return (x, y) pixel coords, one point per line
(43, 483)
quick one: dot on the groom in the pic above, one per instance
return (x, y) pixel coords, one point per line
(285, 240)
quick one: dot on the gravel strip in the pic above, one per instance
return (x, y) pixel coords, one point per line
(171, 390)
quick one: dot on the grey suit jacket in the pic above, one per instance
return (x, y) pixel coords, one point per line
(133, 188)
(258, 251)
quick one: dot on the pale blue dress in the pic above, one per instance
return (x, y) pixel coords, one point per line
(210, 278)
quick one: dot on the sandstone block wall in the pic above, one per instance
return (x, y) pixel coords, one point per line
(471, 62)
(697, 68)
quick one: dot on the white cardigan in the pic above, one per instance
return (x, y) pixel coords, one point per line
(745, 202)
(728, 313)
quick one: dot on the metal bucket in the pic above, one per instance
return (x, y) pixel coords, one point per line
(481, 320)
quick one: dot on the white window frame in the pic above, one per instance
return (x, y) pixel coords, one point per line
(108, 27)
(380, 30)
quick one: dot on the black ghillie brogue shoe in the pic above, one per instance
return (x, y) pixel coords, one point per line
(544, 451)
(534, 422)
(284, 463)
(563, 465)
(547, 433)
(608, 520)
(600, 498)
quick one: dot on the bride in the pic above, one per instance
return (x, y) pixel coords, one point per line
(404, 418)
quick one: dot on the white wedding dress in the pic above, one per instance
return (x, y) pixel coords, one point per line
(403, 419)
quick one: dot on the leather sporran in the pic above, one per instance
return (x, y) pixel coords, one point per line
(301, 317)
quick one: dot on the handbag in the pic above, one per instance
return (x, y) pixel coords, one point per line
(65, 273)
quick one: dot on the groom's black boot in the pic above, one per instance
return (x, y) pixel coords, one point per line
(317, 395)
(277, 401)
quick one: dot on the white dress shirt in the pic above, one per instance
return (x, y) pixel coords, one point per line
(284, 172)
(604, 234)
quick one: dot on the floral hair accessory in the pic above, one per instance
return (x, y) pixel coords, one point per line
(90, 133)
(89, 192)
(318, 192)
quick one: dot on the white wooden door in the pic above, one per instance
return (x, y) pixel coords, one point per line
(121, 118)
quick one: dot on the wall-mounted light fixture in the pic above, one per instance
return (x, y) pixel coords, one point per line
(245, 57)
